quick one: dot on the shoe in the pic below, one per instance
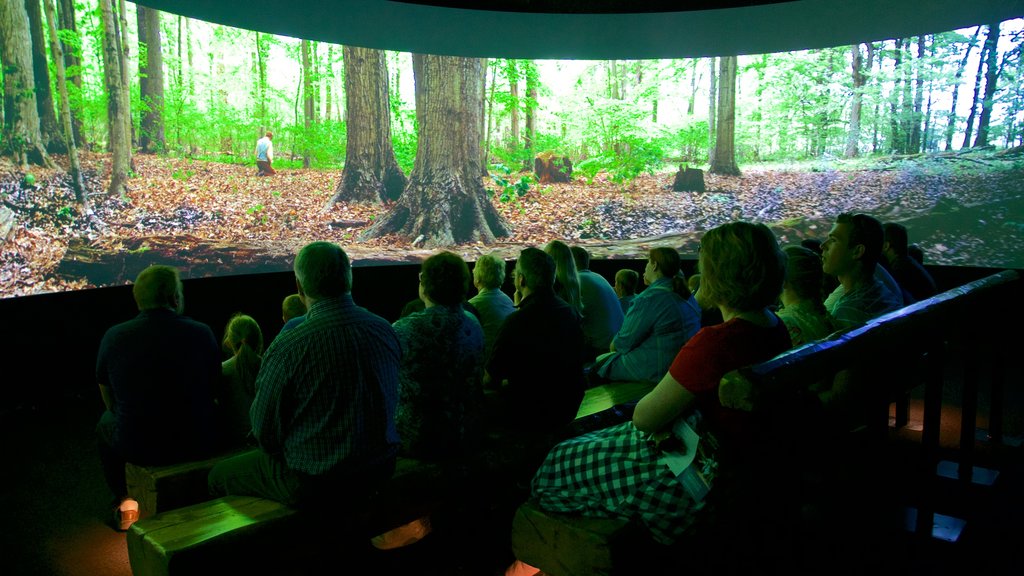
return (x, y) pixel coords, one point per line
(126, 514)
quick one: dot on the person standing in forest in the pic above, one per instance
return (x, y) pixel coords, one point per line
(265, 155)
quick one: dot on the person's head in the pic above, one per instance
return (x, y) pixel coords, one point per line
(322, 270)
(269, 134)
(444, 279)
(243, 330)
(915, 252)
(853, 246)
(812, 244)
(562, 255)
(895, 243)
(626, 281)
(159, 287)
(693, 283)
(581, 257)
(662, 262)
(535, 270)
(489, 272)
(804, 276)
(291, 307)
(741, 267)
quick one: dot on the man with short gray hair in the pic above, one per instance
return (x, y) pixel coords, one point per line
(157, 374)
(324, 412)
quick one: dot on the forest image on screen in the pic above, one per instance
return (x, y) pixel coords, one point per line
(133, 136)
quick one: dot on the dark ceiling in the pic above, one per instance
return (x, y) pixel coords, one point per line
(690, 29)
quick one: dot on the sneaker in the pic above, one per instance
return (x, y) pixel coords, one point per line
(126, 514)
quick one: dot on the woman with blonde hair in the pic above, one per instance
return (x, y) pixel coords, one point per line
(244, 340)
(637, 470)
(567, 280)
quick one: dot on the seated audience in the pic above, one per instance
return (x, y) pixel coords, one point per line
(908, 272)
(244, 340)
(292, 307)
(567, 280)
(625, 286)
(851, 254)
(662, 318)
(693, 283)
(490, 302)
(623, 471)
(440, 394)
(157, 375)
(915, 252)
(802, 308)
(536, 367)
(603, 313)
(326, 394)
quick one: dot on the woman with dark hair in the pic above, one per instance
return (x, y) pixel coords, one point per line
(567, 281)
(244, 339)
(631, 470)
(660, 320)
(440, 377)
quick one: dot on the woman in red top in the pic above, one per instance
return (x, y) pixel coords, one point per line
(627, 471)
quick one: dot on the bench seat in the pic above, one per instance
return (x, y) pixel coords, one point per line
(158, 488)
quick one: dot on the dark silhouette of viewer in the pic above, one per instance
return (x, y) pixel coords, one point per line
(243, 339)
(908, 272)
(157, 375)
(326, 394)
(602, 312)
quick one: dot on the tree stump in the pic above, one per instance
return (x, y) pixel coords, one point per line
(689, 180)
(550, 168)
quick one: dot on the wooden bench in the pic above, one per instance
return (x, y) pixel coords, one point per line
(239, 534)
(159, 488)
(876, 363)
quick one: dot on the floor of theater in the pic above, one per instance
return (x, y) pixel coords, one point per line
(56, 520)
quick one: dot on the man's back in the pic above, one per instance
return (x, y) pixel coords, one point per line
(540, 351)
(602, 312)
(494, 306)
(327, 391)
(162, 369)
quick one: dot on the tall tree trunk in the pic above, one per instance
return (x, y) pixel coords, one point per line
(530, 69)
(445, 202)
(692, 100)
(117, 108)
(489, 118)
(991, 79)
(73, 68)
(895, 135)
(77, 183)
(853, 136)
(951, 117)
(918, 116)
(124, 49)
(49, 128)
(329, 82)
(307, 102)
(151, 80)
(512, 73)
(371, 172)
(724, 160)
(22, 139)
(969, 131)
(712, 108)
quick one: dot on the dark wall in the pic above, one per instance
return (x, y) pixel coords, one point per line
(49, 342)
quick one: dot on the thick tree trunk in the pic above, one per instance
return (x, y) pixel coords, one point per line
(116, 107)
(151, 80)
(22, 139)
(969, 131)
(445, 202)
(724, 160)
(49, 128)
(123, 48)
(77, 183)
(918, 116)
(371, 172)
(991, 79)
(712, 108)
(72, 67)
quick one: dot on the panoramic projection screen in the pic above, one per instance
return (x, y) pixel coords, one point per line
(478, 131)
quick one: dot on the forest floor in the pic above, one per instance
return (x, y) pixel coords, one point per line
(209, 218)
